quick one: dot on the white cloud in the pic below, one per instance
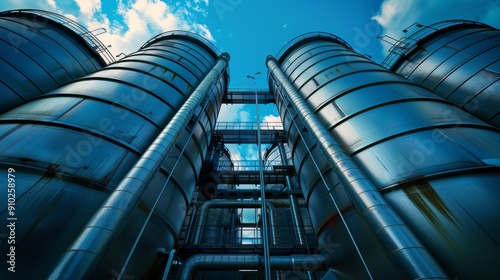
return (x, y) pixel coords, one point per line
(235, 152)
(229, 113)
(88, 6)
(235, 113)
(244, 116)
(136, 20)
(52, 4)
(272, 118)
(203, 30)
(250, 151)
(396, 15)
(24, 4)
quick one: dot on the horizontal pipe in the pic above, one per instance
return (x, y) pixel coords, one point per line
(405, 250)
(251, 261)
(109, 220)
(202, 214)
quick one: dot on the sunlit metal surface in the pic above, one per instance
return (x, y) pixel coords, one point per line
(413, 145)
(40, 51)
(457, 60)
(72, 146)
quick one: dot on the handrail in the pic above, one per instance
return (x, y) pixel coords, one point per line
(405, 45)
(184, 33)
(246, 165)
(252, 91)
(305, 37)
(248, 126)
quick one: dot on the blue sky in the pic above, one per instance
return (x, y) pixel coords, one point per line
(249, 30)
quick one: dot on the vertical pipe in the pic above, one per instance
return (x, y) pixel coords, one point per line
(401, 245)
(169, 264)
(265, 236)
(109, 220)
(297, 221)
(194, 214)
(273, 223)
(298, 224)
(232, 230)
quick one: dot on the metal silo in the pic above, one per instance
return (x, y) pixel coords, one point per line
(291, 220)
(79, 151)
(457, 60)
(219, 222)
(354, 128)
(40, 51)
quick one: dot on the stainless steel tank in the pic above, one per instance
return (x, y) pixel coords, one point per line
(40, 51)
(219, 227)
(457, 60)
(436, 165)
(291, 221)
(71, 147)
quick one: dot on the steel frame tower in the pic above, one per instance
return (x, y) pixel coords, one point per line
(124, 173)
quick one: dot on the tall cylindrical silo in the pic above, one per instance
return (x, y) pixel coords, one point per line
(457, 60)
(40, 51)
(219, 227)
(290, 220)
(436, 165)
(71, 147)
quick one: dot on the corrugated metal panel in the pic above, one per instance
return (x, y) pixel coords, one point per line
(39, 53)
(459, 62)
(83, 138)
(397, 133)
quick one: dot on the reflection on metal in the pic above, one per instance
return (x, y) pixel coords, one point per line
(397, 134)
(457, 60)
(40, 51)
(125, 198)
(238, 262)
(403, 46)
(405, 250)
(184, 35)
(88, 36)
(74, 145)
(432, 206)
(426, 199)
(125, 151)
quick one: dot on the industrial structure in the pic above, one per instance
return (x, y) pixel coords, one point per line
(458, 60)
(123, 172)
(41, 51)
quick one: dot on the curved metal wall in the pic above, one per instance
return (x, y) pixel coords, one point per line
(72, 146)
(218, 227)
(293, 227)
(435, 164)
(457, 60)
(40, 51)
